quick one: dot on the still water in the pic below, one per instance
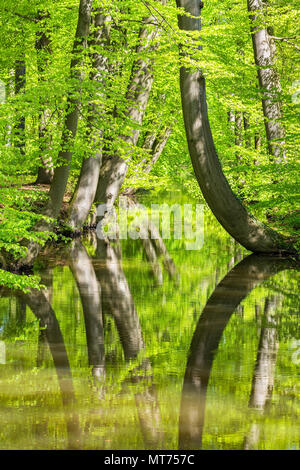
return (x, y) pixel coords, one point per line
(192, 349)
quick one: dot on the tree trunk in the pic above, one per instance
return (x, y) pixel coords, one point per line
(114, 168)
(225, 299)
(226, 207)
(43, 49)
(61, 172)
(85, 192)
(264, 53)
(20, 81)
(90, 295)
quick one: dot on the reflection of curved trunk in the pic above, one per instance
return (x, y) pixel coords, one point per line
(41, 308)
(118, 302)
(264, 53)
(263, 377)
(90, 295)
(226, 207)
(229, 293)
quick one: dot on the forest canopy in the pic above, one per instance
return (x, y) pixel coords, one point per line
(89, 89)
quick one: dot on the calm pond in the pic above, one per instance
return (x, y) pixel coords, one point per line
(196, 349)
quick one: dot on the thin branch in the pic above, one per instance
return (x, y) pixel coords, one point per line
(25, 17)
(276, 38)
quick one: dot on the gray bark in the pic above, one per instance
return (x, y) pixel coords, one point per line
(44, 51)
(61, 172)
(226, 207)
(114, 168)
(85, 192)
(264, 53)
(90, 295)
(20, 82)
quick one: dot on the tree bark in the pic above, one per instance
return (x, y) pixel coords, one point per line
(114, 168)
(44, 51)
(264, 53)
(61, 172)
(85, 192)
(226, 207)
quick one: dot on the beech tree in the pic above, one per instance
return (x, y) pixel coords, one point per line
(227, 208)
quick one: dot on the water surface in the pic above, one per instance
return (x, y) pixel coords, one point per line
(193, 350)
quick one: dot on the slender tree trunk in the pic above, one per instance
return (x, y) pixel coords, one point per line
(20, 82)
(154, 144)
(226, 207)
(238, 131)
(61, 172)
(264, 53)
(114, 168)
(44, 51)
(85, 192)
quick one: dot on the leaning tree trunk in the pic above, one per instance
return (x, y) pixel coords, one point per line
(44, 51)
(227, 208)
(264, 54)
(85, 192)
(114, 168)
(61, 172)
(20, 81)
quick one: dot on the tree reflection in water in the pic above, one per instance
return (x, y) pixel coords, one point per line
(227, 296)
(104, 291)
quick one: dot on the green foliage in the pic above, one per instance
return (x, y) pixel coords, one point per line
(227, 61)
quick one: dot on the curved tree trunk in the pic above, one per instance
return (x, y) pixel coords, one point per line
(264, 53)
(227, 208)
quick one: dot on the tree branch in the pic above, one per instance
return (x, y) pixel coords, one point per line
(276, 38)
